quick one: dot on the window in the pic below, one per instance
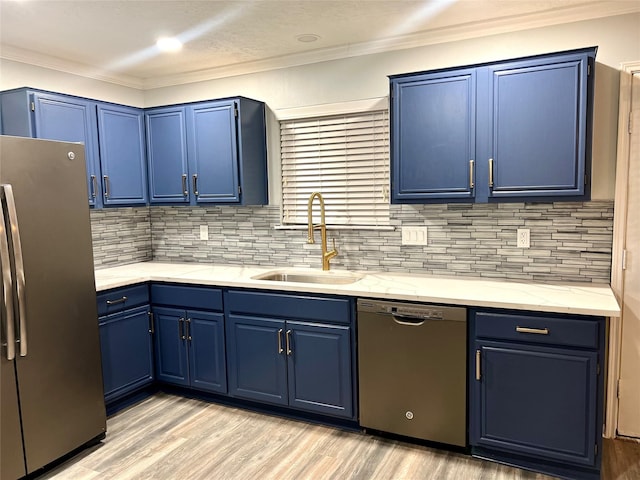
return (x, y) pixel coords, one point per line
(344, 157)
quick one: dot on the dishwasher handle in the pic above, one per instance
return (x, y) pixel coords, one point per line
(408, 320)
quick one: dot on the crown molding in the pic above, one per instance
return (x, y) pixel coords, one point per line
(37, 59)
(556, 16)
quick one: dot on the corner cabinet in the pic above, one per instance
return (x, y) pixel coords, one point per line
(190, 349)
(536, 391)
(126, 340)
(291, 350)
(208, 152)
(509, 131)
(112, 136)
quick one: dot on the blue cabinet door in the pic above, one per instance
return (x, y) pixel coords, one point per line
(213, 153)
(69, 119)
(167, 155)
(122, 158)
(171, 346)
(207, 360)
(537, 401)
(256, 359)
(537, 139)
(433, 137)
(319, 368)
(127, 352)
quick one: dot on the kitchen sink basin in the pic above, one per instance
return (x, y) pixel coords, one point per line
(326, 278)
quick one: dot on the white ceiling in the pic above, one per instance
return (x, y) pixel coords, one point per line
(114, 40)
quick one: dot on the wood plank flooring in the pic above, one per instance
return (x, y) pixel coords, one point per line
(168, 437)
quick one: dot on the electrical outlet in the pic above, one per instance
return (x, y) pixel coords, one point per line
(414, 235)
(523, 238)
(204, 232)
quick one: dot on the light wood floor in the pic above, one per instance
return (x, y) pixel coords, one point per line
(170, 437)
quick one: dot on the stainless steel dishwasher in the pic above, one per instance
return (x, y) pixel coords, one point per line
(412, 370)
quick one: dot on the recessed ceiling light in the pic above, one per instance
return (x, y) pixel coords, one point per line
(308, 37)
(169, 44)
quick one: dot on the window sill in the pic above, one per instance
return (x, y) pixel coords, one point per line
(337, 227)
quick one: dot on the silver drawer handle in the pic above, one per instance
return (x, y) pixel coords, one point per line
(539, 331)
(115, 302)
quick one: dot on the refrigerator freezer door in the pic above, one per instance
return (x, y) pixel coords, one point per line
(60, 379)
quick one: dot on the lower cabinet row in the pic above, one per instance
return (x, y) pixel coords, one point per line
(289, 350)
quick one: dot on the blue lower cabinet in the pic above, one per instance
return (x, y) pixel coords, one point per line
(190, 348)
(256, 359)
(294, 362)
(127, 351)
(536, 391)
(319, 368)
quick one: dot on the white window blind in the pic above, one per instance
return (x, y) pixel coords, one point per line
(346, 159)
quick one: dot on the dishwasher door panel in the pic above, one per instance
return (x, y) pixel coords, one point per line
(412, 378)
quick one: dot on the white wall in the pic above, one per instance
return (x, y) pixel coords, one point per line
(618, 39)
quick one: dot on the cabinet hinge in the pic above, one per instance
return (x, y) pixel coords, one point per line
(235, 111)
(239, 190)
(588, 69)
(624, 259)
(596, 449)
(586, 179)
(33, 107)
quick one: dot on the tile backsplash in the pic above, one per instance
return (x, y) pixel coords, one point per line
(570, 241)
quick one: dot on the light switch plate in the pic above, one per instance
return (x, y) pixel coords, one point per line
(204, 232)
(414, 235)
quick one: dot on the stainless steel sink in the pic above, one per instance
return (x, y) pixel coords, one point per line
(326, 278)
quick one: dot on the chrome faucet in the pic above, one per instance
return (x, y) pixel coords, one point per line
(326, 256)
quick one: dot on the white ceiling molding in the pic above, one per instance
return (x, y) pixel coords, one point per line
(560, 15)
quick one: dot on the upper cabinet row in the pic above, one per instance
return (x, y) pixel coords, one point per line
(510, 131)
(205, 152)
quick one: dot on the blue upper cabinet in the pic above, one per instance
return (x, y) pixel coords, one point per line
(538, 127)
(167, 153)
(213, 153)
(208, 152)
(113, 136)
(29, 113)
(434, 136)
(509, 131)
(122, 157)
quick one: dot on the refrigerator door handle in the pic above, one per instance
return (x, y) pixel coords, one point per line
(7, 289)
(7, 193)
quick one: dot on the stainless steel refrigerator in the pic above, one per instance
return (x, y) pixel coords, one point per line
(50, 373)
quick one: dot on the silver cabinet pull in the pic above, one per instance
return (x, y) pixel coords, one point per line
(151, 325)
(7, 193)
(538, 331)
(7, 289)
(181, 329)
(478, 358)
(491, 172)
(288, 336)
(195, 184)
(94, 186)
(471, 175)
(188, 322)
(116, 302)
(185, 192)
(107, 187)
(280, 350)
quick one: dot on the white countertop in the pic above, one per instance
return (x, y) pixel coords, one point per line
(578, 298)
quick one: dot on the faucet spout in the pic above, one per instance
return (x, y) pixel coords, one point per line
(326, 255)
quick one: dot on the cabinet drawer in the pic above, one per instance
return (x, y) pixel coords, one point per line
(117, 300)
(300, 307)
(550, 330)
(202, 298)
